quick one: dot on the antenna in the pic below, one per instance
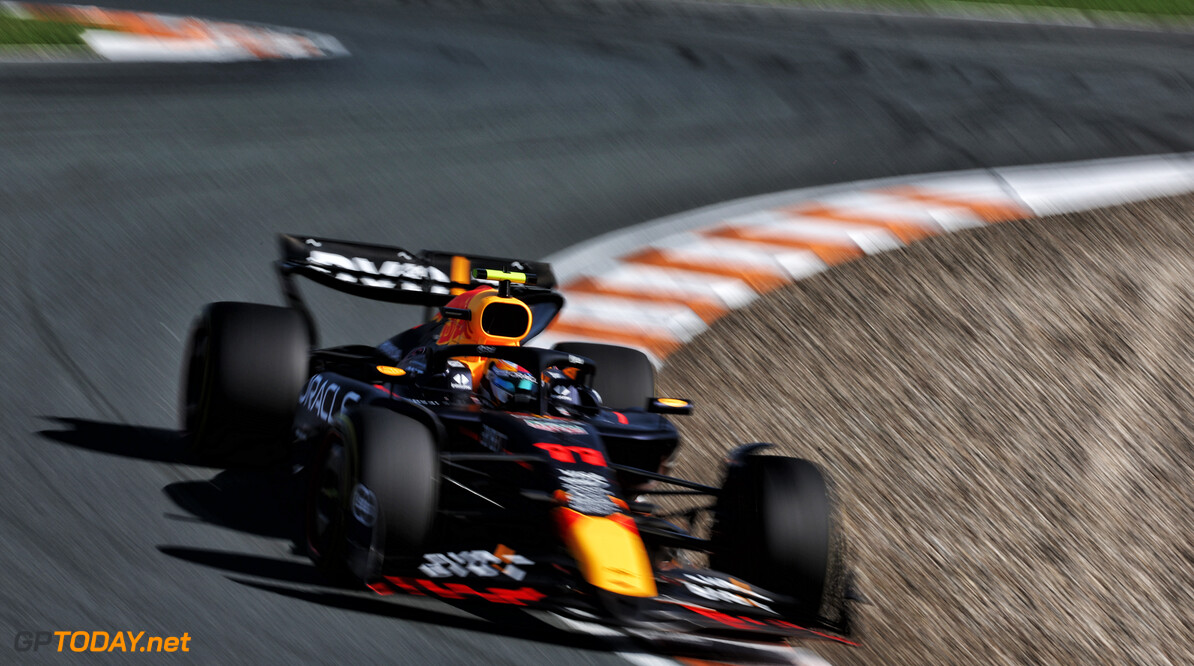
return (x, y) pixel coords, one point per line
(504, 279)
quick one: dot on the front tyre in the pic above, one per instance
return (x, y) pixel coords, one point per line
(374, 494)
(773, 527)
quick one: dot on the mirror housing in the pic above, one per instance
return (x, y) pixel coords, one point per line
(669, 406)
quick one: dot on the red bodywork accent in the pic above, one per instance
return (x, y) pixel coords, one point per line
(740, 622)
(569, 454)
(625, 521)
(381, 588)
(458, 591)
(622, 418)
(405, 586)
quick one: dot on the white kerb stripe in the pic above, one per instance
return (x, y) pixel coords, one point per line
(641, 325)
(886, 207)
(794, 263)
(1049, 192)
(676, 317)
(122, 47)
(982, 187)
(817, 230)
(734, 293)
(878, 207)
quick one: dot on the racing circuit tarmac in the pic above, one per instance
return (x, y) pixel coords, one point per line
(132, 195)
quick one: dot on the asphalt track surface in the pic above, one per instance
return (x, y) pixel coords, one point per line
(129, 196)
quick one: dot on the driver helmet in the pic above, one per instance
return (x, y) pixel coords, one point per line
(508, 386)
(566, 396)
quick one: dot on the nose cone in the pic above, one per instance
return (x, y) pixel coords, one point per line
(610, 552)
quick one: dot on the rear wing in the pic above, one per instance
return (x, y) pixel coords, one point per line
(394, 275)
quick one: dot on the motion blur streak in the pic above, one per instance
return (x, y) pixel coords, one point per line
(133, 194)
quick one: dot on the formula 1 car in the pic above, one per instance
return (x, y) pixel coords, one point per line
(453, 461)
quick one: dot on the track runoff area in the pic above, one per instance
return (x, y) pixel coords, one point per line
(657, 285)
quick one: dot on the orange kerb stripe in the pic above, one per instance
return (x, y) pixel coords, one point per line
(760, 281)
(707, 309)
(194, 29)
(907, 232)
(989, 211)
(658, 345)
(829, 253)
(140, 24)
(135, 23)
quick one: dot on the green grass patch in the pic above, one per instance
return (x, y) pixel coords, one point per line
(1151, 7)
(1154, 8)
(25, 32)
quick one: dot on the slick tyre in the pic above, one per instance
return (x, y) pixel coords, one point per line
(773, 527)
(374, 494)
(625, 377)
(245, 367)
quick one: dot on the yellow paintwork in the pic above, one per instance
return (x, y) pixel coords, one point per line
(611, 556)
(459, 269)
(490, 274)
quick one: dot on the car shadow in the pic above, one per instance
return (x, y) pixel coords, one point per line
(259, 501)
(280, 570)
(510, 623)
(298, 580)
(119, 439)
(266, 502)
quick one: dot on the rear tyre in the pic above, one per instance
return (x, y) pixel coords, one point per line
(773, 527)
(374, 494)
(245, 368)
(625, 377)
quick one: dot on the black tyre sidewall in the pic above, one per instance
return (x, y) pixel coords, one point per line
(774, 528)
(396, 458)
(253, 359)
